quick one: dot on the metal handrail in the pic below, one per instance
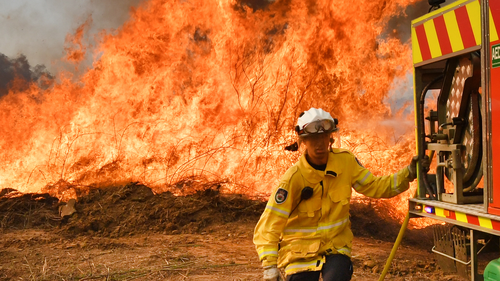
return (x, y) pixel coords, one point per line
(450, 257)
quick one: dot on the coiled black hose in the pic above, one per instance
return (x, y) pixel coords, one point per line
(421, 143)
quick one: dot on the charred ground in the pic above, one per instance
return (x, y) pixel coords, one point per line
(205, 235)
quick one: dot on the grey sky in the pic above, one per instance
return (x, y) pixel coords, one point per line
(38, 28)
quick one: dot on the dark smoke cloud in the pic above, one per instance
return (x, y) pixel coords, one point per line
(400, 26)
(19, 74)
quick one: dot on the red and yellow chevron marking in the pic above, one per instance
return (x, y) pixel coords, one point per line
(467, 218)
(454, 28)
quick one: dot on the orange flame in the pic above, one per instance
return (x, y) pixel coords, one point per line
(76, 49)
(210, 89)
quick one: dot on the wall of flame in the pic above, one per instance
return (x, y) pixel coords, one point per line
(210, 90)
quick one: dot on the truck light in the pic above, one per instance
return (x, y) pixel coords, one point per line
(429, 209)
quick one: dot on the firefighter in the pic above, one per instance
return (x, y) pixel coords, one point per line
(305, 226)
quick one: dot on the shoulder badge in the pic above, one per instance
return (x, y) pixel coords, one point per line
(359, 163)
(280, 196)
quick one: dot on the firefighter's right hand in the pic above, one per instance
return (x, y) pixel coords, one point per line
(271, 273)
(412, 168)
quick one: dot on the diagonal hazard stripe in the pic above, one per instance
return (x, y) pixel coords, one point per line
(452, 215)
(440, 212)
(465, 27)
(496, 225)
(472, 219)
(461, 216)
(493, 29)
(494, 19)
(432, 39)
(442, 34)
(422, 42)
(417, 56)
(467, 218)
(450, 20)
(454, 30)
(484, 222)
(474, 12)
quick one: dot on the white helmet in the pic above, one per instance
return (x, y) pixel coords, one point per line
(315, 121)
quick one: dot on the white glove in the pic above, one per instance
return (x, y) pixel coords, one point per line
(271, 273)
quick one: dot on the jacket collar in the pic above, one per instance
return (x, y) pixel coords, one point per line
(333, 168)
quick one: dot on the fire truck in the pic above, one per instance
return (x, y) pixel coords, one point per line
(456, 58)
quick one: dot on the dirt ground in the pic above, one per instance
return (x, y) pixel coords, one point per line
(129, 233)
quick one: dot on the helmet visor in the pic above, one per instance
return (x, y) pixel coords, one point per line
(321, 126)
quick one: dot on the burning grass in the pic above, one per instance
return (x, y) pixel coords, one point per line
(208, 89)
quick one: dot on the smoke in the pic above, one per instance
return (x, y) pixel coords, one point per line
(18, 74)
(400, 26)
(38, 28)
(400, 96)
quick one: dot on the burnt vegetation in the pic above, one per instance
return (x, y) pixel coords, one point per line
(128, 209)
(133, 208)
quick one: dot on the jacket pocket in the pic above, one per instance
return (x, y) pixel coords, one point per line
(340, 196)
(310, 207)
(305, 248)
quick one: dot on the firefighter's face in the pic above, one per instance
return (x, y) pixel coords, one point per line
(317, 146)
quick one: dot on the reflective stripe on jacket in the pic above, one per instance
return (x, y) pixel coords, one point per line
(307, 230)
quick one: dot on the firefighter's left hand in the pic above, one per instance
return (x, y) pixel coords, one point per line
(424, 164)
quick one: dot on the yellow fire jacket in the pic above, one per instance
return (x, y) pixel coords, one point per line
(296, 234)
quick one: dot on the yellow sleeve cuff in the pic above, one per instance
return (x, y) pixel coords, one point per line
(269, 260)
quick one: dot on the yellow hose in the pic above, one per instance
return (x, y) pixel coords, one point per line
(395, 247)
(401, 232)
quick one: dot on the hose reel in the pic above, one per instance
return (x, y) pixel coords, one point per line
(456, 131)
